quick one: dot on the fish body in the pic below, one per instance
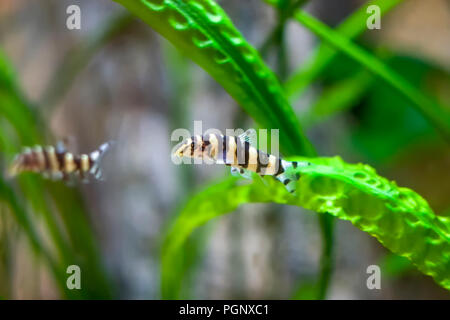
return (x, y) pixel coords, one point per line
(57, 163)
(239, 153)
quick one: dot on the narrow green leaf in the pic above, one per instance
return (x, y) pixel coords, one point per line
(337, 98)
(351, 27)
(430, 109)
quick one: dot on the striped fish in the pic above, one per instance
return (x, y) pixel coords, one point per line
(57, 163)
(240, 154)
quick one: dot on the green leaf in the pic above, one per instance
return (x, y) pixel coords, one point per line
(352, 27)
(203, 31)
(430, 109)
(393, 265)
(398, 217)
(380, 141)
(337, 98)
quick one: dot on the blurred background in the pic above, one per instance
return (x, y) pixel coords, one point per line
(117, 79)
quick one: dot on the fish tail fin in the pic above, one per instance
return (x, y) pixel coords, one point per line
(97, 157)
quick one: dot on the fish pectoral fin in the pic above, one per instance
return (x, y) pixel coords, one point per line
(240, 172)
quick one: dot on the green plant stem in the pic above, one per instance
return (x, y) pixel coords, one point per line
(431, 110)
(326, 222)
(284, 13)
(285, 10)
(326, 259)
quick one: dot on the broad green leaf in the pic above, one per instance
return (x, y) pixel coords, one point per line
(203, 32)
(398, 217)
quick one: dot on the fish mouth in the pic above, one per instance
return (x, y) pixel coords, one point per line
(180, 150)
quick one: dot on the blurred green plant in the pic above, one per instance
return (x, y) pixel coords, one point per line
(59, 207)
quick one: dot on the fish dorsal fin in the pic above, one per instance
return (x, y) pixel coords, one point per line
(249, 136)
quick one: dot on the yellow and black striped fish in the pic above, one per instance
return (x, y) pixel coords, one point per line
(57, 163)
(240, 154)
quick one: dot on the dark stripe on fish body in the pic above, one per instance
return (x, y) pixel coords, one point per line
(294, 164)
(246, 154)
(285, 182)
(46, 159)
(224, 149)
(236, 143)
(280, 167)
(263, 160)
(258, 161)
(27, 160)
(192, 146)
(205, 143)
(61, 161)
(77, 161)
(239, 152)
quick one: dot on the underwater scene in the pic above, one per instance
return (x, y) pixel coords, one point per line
(224, 149)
